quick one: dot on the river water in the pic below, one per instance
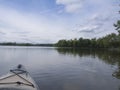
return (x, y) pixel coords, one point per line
(65, 69)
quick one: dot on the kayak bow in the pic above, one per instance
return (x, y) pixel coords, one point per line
(18, 78)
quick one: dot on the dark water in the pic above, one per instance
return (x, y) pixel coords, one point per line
(65, 69)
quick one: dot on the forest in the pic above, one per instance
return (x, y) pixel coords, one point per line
(109, 41)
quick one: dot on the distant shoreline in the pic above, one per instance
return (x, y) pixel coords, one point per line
(25, 44)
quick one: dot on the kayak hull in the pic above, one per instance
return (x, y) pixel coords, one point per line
(18, 79)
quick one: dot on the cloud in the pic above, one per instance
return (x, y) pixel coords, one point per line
(100, 18)
(2, 33)
(19, 23)
(94, 23)
(70, 5)
(97, 25)
(28, 27)
(88, 29)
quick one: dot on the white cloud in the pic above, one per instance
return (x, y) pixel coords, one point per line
(88, 28)
(35, 26)
(70, 5)
(27, 27)
(96, 25)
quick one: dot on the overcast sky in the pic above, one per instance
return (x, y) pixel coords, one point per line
(47, 21)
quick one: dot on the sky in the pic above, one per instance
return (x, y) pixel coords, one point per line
(47, 21)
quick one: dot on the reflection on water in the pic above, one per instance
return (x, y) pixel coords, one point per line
(108, 56)
(65, 69)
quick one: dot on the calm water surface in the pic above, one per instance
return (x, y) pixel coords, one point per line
(65, 69)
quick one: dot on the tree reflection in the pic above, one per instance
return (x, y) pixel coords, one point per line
(117, 73)
(111, 57)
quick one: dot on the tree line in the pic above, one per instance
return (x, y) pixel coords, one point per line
(111, 40)
(24, 44)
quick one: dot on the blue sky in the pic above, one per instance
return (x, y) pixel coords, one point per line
(47, 21)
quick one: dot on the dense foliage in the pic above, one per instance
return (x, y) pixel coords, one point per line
(111, 40)
(117, 25)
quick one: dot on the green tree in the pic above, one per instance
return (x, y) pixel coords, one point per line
(117, 25)
(75, 42)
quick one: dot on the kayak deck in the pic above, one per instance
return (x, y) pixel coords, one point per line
(18, 79)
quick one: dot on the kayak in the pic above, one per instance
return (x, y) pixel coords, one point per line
(17, 79)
